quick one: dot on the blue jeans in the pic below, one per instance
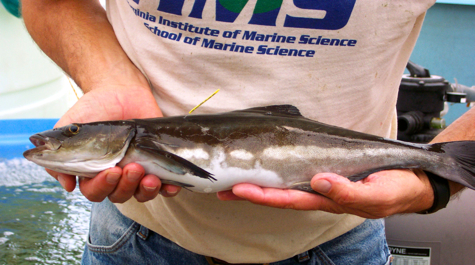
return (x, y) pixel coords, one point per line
(116, 239)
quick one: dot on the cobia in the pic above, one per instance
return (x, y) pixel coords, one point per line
(272, 146)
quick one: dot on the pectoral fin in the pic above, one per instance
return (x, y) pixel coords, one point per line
(177, 183)
(172, 162)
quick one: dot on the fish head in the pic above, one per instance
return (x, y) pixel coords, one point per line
(82, 149)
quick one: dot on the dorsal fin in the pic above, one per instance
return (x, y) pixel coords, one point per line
(277, 110)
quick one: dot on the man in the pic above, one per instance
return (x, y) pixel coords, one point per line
(339, 62)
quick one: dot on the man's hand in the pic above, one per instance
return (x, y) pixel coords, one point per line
(379, 195)
(116, 183)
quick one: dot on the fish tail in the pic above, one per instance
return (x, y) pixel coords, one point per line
(463, 152)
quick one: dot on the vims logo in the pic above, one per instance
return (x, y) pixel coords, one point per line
(310, 14)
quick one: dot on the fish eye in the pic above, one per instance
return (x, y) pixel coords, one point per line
(74, 129)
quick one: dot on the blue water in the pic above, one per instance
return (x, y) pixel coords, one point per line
(40, 223)
(14, 135)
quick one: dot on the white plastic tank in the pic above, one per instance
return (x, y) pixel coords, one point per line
(31, 85)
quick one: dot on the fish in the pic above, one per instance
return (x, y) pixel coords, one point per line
(272, 146)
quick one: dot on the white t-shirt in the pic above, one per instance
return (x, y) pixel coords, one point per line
(339, 62)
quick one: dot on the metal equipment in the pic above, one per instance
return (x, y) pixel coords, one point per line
(448, 236)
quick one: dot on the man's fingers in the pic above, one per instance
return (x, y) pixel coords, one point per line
(169, 190)
(337, 188)
(68, 182)
(128, 183)
(228, 195)
(148, 188)
(118, 184)
(369, 198)
(98, 188)
(286, 199)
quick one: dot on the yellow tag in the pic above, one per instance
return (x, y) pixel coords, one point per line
(215, 92)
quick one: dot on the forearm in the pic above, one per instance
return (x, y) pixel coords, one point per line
(79, 38)
(460, 130)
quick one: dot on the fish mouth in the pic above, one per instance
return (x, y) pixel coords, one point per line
(43, 143)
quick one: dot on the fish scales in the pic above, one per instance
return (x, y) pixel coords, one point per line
(270, 146)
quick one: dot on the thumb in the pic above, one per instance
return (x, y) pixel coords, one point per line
(335, 187)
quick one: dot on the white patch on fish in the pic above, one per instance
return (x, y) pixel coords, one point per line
(297, 130)
(242, 154)
(316, 152)
(190, 154)
(227, 176)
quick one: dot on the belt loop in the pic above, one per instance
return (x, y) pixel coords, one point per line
(215, 261)
(303, 257)
(143, 232)
(210, 260)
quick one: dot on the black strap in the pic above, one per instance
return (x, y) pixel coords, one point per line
(441, 189)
